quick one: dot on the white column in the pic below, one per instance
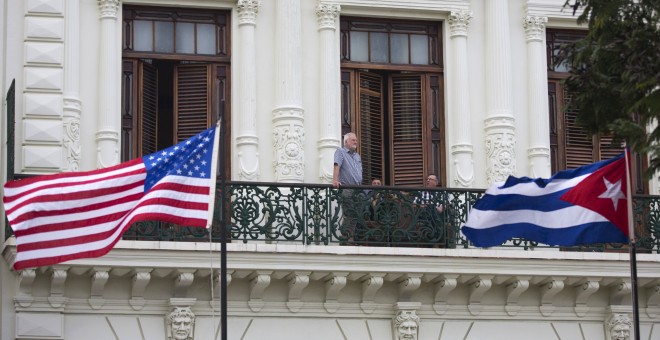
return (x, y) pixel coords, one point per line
(329, 89)
(537, 94)
(247, 142)
(288, 114)
(459, 91)
(72, 106)
(499, 124)
(109, 119)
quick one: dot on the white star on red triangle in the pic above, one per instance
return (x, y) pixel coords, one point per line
(613, 192)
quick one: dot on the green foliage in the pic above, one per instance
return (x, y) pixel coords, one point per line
(615, 72)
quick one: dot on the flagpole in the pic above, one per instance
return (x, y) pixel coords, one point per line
(632, 248)
(223, 227)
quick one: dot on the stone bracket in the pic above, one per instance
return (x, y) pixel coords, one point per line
(478, 287)
(370, 286)
(259, 281)
(333, 286)
(297, 283)
(443, 288)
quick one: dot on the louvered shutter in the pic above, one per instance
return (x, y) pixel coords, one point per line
(192, 100)
(148, 109)
(407, 130)
(370, 133)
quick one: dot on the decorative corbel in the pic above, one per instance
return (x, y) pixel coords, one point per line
(56, 298)
(259, 280)
(335, 283)
(370, 286)
(99, 279)
(184, 278)
(478, 287)
(409, 284)
(549, 289)
(141, 278)
(26, 279)
(297, 282)
(514, 290)
(443, 287)
(653, 300)
(584, 289)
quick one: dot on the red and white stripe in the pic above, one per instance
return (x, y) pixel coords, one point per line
(68, 216)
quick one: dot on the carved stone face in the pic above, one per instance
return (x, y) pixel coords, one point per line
(181, 327)
(407, 330)
(620, 332)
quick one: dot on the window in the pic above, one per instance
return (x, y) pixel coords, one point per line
(175, 76)
(391, 85)
(570, 146)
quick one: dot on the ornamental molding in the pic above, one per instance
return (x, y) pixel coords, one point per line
(501, 155)
(247, 11)
(72, 145)
(108, 9)
(288, 145)
(459, 21)
(327, 15)
(534, 27)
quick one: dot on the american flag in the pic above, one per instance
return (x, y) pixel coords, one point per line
(74, 215)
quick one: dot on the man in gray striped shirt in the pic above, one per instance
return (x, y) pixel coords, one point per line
(348, 165)
(348, 171)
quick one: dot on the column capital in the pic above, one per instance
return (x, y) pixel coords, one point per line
(534, 27)
(247, 11)
(327, 13)
(459, 22)
(109, 8)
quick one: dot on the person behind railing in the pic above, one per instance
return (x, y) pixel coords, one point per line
(347, 171)
(431, 216)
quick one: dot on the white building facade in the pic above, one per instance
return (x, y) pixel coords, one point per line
(98, 82)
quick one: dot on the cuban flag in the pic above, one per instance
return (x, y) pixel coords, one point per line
(580, 206)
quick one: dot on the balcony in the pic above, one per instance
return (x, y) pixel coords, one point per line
(315, 214)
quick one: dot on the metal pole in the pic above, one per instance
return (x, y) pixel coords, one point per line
(632, 248)
(223, 228)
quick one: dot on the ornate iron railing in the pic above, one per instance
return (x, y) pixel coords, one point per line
(374, 216)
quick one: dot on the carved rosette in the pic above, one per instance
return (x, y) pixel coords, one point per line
(459, 21)
(327, 14)
(72, 147)
(500, 148)
(247, 11)
(289, 141)
(108, 8)
(534, 27)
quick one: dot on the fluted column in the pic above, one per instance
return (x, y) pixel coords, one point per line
(329, 90)
(288, 114)
(109, 119)
(459, 91)
(247, 142)
(499, 124)
(538, 152)
(72, 106)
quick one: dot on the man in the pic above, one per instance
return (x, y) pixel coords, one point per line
(405, 326)
(426, 196)
(180, 324)
(347, 171)
(348, 164)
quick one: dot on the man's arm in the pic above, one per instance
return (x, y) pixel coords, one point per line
(335, 176)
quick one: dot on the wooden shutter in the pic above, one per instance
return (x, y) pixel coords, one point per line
(148, 109)
(192, 100)
(370, 133)
(407, 130)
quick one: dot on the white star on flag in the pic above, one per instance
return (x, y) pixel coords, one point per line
(613, 192)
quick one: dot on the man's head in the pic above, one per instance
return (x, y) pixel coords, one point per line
(431, 181)
(619, 327)
(180, 324)
(406, 324)
(350, 141)
(376, 182)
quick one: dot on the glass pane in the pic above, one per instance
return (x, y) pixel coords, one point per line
(206, 39)
(399, 48)
(379, 48)
(419, 49)
(185, 37)
(359, 43)
(164, 37)
(142, 35)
